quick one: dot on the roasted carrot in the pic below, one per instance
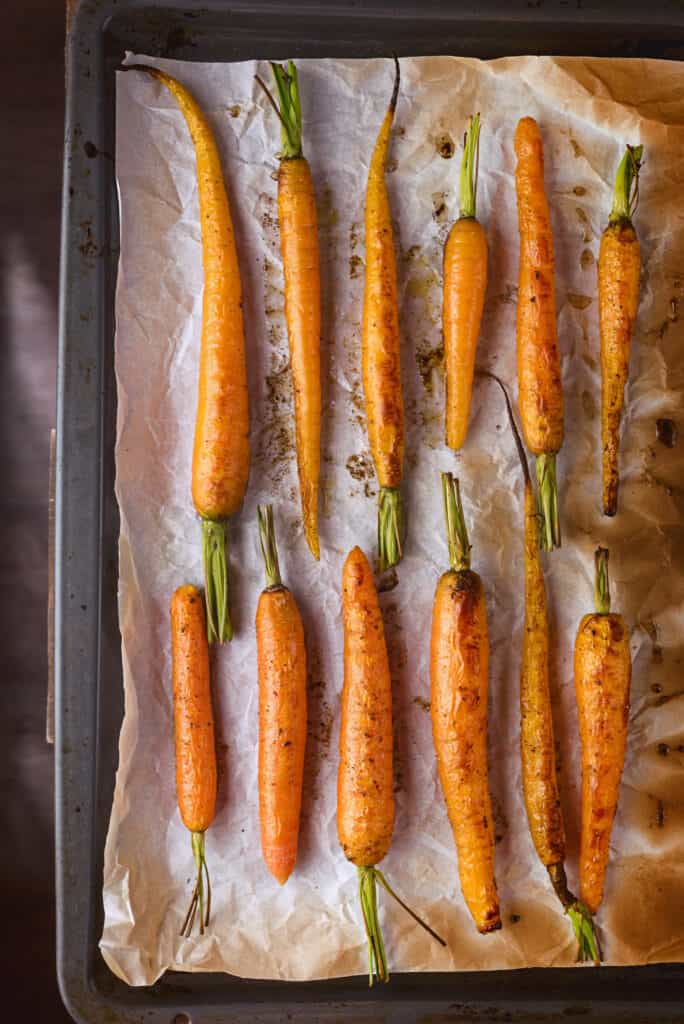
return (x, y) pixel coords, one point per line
(537, 746)
(381, 349)
(465, 284)
(194, 737)
(539, 370)
(281, 659)
(299, 248)
(365, 802)
(603, 671)
(618, 292)
(220, 460)
(459, 672)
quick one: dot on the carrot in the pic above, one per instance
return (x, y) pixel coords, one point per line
(381, 348)
(539, 370)
(465, 284)
(618, 292)
(299, 248)
(459, 672)
(220, 460)
(194, 737)
(603, 672)
(537, 746)
(365, 802)
(281, 658)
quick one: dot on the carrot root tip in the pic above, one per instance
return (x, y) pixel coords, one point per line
(390, 527)
(214, 560)
(549, 534)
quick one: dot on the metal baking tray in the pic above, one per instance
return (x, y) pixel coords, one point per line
(88, 675)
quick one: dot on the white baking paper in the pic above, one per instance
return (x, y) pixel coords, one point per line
(311, 928)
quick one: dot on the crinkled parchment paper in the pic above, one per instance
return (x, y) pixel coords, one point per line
(311, 928)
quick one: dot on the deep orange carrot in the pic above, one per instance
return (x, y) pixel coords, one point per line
(459, 672)
(539, 369)
(603, 671)
(365, 801)
(281, 659)
(619, 267)
(299, 247)
(381, 362)
(465, 284)
(220, 460)
(194, 736)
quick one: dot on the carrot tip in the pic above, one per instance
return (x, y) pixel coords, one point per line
(219, 626)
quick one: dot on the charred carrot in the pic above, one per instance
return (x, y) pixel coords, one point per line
(281, 660)
(194, 737)
(537, 746)
(603, 671)
(381, 350)
(539, 370)
(465, 284)
(618, 292)
(459, 672)
(220, 459)
(299, 248)
(365, 802)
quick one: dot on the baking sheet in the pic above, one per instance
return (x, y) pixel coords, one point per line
(311, 928)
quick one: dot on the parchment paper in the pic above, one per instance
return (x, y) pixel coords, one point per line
(311, 928)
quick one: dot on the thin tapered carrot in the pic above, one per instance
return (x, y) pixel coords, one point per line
(539, 369)
(365, 801)
(619, 266)
(299, 248)
(537, 746)
(220, 459)
(194, 737)
(603, 671)
(459, 672)
(381, 362)
(281, 660)
(465, 284)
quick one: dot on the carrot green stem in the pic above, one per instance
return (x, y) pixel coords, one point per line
(550, 535)
(457, 533)
(469, 167)
(377, 959)
(626, 195)
(602, 586)
(269, 550)
(588, 946)
(198, 895)
(390, 527)
(290, 110)
(219, 626)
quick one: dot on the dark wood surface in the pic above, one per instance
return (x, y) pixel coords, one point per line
(31, 120)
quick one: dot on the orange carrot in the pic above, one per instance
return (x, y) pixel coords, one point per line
(603, 671)
(618, 292)
(381, 349)
(539, 370)
(465, 284)
(220, 460)
(459, 671)
(194, 736)
(281, 658)
(299, 247)
(365, 802)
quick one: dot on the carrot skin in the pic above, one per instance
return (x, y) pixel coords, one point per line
(539, 369)
(196, 773)
(602, 680)
(281, 659)
(465, 284)
(619, 267)
(459, 662)
(299, 248)
(365, 801)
